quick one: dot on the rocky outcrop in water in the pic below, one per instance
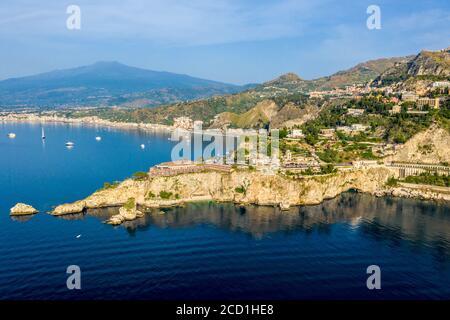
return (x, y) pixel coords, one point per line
(422, 192)
(69, 208)
(22, 209)
(125, 214)
(239, 186)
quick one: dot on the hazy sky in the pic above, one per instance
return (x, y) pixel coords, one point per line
(226, 40)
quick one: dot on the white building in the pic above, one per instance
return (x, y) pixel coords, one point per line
(441, 84)
(354, 128)
(395, 109)
(345, 129)
(328, 132)
(355, 112)
(409, 96)
(183, 123)
(359, 127)
(296, 133)
(364, 163)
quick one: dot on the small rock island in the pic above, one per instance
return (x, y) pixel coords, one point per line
(21, 209)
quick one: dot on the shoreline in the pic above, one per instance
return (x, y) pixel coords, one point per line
(88, 121)
(261, 190)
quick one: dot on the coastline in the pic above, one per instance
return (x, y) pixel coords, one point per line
(88, 121)
(264, 190)
(260, 189)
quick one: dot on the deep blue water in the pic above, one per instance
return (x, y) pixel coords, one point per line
(205, 250)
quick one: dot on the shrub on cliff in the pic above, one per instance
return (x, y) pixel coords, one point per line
(391, 182)
(150, 195)
(140, 175)
(327, 169)
(130, 204)
(108, 185)
(165, 195)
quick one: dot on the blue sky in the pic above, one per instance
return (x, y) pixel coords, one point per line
(225, 40)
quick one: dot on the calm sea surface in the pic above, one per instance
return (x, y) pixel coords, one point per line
(204, 250)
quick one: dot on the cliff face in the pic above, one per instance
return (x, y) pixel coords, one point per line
(406, 74)
(266, 113)
(429, 146)
(256, 117)
(431, 63)
(245, 187)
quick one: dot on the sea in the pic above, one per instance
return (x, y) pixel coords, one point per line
(204, 250)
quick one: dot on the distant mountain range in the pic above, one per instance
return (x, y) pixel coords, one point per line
(283, 101)
(112, 83)
(359, 74)
(108, 83)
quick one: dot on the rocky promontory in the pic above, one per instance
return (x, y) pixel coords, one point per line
(21, 209)
(241, 186)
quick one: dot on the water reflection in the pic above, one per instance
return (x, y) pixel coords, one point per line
(24, 218)
(384, 219)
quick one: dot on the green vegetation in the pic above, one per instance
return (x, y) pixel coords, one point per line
(297, 99)
(401, 127)
(165, 195)
(204, 109)
(108, 185)
(130, 204)
(243, 187)
(283, 133)
(326, 169)
(240, 189)
(392, 182)
(329, 156)
(329, 168)
(150, 195)
(430, 178)
(397, 128)
(140, 175)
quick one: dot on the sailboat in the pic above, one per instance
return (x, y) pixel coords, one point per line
(43, 133)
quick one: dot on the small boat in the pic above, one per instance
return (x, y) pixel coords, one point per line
(142, 146)
(98, 138)
(11, 135)
(69, 144)
(43, 134)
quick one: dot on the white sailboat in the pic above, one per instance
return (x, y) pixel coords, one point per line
(43, 133)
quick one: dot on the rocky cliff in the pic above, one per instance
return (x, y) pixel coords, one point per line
(421, 70)
(239, 186)
(429, 146)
